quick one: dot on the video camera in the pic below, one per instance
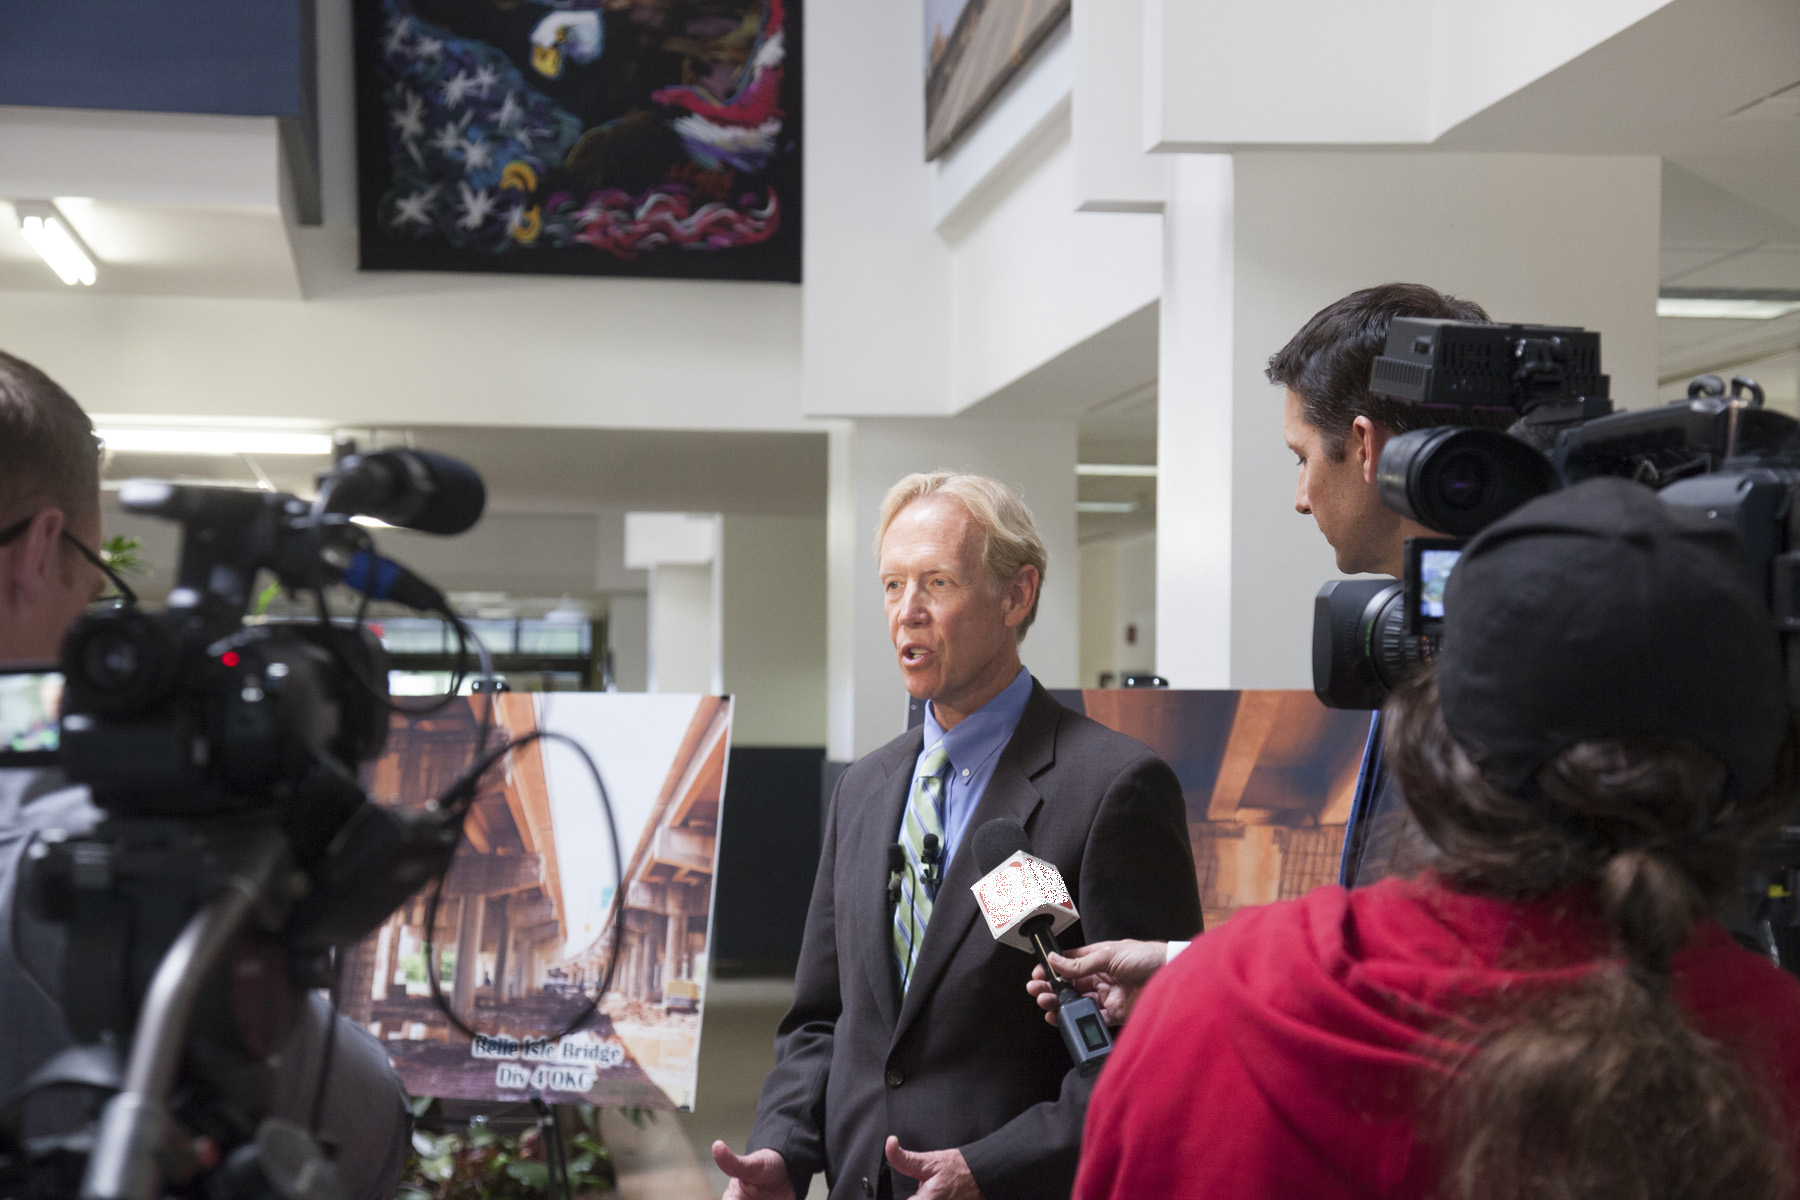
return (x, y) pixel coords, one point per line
(1718, 451)
(236, 847)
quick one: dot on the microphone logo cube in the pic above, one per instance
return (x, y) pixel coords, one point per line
(1019, 889)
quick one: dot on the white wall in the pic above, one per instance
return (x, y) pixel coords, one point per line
(1221, 73)
(877, 319)
(1118, 598)
(1112, 172)
(1031, 277)
(1558, 239)
(412, 349)
(684, 628)
(628, 637)
(1195, 425)
(1134, 622)
(1286, 71)
(1099, 609)
(774, 621)
(1483, 50)
(902, 318)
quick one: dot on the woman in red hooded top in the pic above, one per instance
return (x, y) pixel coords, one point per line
(1546, 1009)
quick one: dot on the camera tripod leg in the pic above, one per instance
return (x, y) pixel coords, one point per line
(125, 1164)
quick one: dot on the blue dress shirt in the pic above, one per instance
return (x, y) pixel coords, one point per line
(974, 744)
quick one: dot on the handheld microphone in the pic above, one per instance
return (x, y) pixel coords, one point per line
(414, 489)
(896, 864)
(1026, 904)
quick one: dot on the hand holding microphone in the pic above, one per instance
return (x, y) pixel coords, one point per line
(1026, 905)
(1111, 973)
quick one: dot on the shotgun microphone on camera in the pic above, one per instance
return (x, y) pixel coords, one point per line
(414, 489)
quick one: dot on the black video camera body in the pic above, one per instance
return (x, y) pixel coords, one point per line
(223, 757)
(1718, 451)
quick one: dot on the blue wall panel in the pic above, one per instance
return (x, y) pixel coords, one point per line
(238, 57)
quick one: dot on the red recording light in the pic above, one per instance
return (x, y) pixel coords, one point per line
(230, 658)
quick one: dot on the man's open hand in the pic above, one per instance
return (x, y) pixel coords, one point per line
(1110, 973)
(759, 1175)
(942, 1174)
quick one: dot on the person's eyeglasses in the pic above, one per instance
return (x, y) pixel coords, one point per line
(122, 592)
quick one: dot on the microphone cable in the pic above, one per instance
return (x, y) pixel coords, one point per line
(459, 798)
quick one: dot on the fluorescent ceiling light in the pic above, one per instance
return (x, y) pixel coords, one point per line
(1133, 470)
(48, 232)
(214, 441)
(1728, 303)
(1723, 309)
(1106, 506)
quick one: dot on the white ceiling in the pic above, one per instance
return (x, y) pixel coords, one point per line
(1685, 83)
(1712, 237)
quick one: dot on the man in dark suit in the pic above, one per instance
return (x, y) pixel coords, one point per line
(911, 1062)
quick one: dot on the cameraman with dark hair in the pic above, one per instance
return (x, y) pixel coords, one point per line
(50, 570)
(1336, 428)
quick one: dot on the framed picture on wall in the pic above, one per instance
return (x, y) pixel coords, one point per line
(972, 48)
(656, 138)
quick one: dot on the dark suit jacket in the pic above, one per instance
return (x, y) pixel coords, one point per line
(967, 1061)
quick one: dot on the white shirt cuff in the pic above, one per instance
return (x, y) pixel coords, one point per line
(1172, 950)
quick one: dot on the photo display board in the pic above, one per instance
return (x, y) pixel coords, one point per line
(531, 917)
(1268, 778)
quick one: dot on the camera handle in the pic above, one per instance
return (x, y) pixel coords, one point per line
(134, 1125)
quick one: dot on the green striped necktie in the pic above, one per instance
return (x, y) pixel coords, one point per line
(923, 816)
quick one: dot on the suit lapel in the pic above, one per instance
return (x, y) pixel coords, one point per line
(1010, 793)
(874, 924)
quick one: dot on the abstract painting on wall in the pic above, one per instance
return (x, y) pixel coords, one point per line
(592, 137)
(575, 988)
(972, 48)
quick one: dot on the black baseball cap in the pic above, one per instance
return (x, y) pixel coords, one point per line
(1598, 611)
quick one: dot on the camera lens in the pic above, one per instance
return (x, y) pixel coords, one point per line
(1458, 479)
(111, 661)
(1464, 480)
(118, 663)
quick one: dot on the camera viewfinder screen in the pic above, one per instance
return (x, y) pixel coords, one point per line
(1434, 573)
(29, 705)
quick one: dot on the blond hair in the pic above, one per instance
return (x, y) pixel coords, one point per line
(1009, 536)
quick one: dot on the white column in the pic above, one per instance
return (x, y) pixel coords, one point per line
(1279, 235)
(774, 622)
(681, 552)
(628, 638)
(1036, 458)
(1194, 428)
